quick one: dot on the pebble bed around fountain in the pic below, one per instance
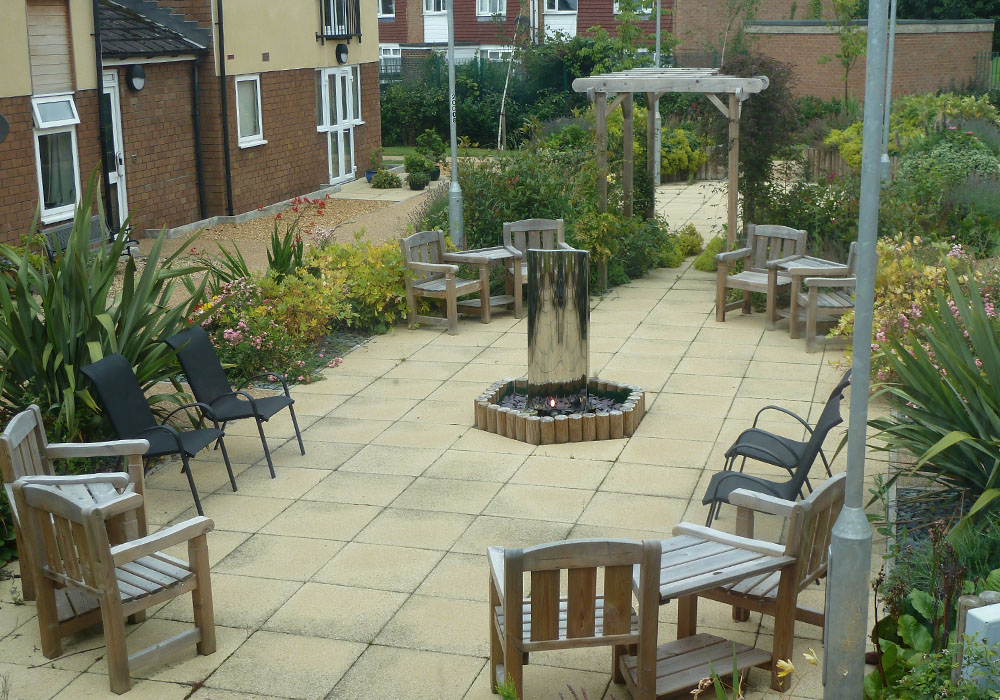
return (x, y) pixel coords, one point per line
(615, 412)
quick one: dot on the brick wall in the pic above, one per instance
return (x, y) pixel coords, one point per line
(929, 56)
(368, 136)
(600, 13)
(159, 148)
(19, 192)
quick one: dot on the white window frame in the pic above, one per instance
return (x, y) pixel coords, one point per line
(483, 8)
(258, 138)
(648, 14)
(502, 53)
(443, 3)
(51, 99)
(555, 11)
(66, 211)
(379, 10)
(389, 51)
(328, 124)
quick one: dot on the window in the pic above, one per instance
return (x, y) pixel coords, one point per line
(248, 117)
(488, 8)
(390, 63)
(560, 5)
(56, 159)
(497, 54)
(435, 6)
(342, 18)
(386, 8)
(340, 112)
(641, 9)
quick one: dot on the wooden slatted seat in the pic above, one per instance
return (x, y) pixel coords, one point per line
(764, 243)
(26, 451)
(428, 276)
(81, 579)
(581, 618)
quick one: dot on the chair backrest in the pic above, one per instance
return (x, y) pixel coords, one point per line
(828, 420)
(120, 394)
(537, 234)
(423, 247)
(852, 259)
(22, 450)
(810, 528)
(201, 364)
(582, 559)
(768, 242)
(68, 538)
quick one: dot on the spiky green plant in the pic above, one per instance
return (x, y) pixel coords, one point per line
(56, 318)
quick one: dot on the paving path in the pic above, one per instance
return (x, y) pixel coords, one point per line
(360, 571)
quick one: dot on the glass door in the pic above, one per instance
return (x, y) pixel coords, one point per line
(341, 105)
(115, 153)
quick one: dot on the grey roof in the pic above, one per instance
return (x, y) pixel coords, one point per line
(126, 31)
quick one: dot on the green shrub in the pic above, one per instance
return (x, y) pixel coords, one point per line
(689, 241)
(59, 317)
(417, 180)
(935, 165)
(417, 163)
(681, 154)
(431, 145)
(706, 260)
(285, 254)
(411, 107)
(385, 180)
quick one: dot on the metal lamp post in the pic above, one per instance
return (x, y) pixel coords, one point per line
(886, 171)
(851, 542)
(657, 122)
(455, 227)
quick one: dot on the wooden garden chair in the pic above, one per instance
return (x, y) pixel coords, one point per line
(428, 276)
(581, 618)
(828, 298)
(764, 243)
(102, 583)
(754, 574)
(26, 451)
(537, 234)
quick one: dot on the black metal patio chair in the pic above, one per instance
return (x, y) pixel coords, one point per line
(131, 418)
(795, 456)
(210, 385)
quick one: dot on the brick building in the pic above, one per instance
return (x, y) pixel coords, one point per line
(300, 102)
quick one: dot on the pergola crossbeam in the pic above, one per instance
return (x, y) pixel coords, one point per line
(655, 82)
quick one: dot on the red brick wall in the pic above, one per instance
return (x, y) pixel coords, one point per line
(394, 30)
(925, 62)
(484, 30)
(600, 13)
(159, 148)
(368, 136)
(18, 177)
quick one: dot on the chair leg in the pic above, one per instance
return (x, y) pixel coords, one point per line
(27, 579)
(229, 467)
(513, 667)
(720, 294)
(194, 490)
(617, 652)
(812, 344)
(784, 625)
(48, 619)
(201, 596)
(263, 441)
(496, 645)
(298, 433)
(747, 306)
(451, 308)
(114, 639)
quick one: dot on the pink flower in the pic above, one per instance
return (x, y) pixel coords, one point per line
(979, 363)
(952, 128)
(301, 378)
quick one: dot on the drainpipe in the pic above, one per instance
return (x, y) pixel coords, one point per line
(223, 92)
(199, 168)
(101, 135)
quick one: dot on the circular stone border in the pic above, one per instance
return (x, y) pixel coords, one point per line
(547, 430)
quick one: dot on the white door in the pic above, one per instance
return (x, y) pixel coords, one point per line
(115, 156)
(341, 113)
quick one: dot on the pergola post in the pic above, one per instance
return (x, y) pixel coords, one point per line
(601, 112)
(734, 170)
(651, 141)
(628, 137)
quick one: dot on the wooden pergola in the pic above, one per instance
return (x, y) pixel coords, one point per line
(620, 87)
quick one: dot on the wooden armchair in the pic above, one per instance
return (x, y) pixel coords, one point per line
(764, 243)
(428, 276)
(828, 305)
(537, 234)
(104, 583)
(582, 618)
(26, 451)
(772, 590)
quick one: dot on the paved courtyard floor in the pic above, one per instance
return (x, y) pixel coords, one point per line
(359, 572)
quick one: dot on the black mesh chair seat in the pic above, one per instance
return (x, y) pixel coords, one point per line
(127, 409)
(235, 406)
(210, 386)
(163, 443)
(763, 446)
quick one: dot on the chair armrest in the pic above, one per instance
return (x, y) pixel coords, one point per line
(124, 503)
(779, 409)
(433, 267)
(113, 448)
(565, 246)
(182, 532)
(842, 282)
(732, 255)
(119, 480)
(773, 264)
(514, 251)
(495, 557)
(205, 409)
(752, 545)
(761, 502)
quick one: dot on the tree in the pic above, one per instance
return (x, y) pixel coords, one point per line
(738, 13)
(853, 39)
